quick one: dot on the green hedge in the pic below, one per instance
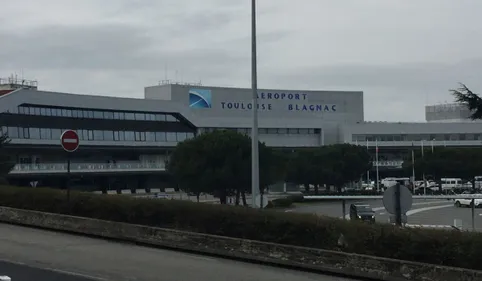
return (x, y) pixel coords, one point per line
(452, 248)
(284, 202)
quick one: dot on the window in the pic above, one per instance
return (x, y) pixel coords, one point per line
(12, 132)
(129, 116)
(98, 135)
(150, 136)
(21, 110)
(282, 131)
(140, 116)
(108, 135)
(160, 117)
(181, 136)
(189, 135)
(272, 131)
(140, 136)
(160, 136)
(34, 133)
(303, 131)
(109, 115)
(98, 115)
(37, 110)
(43, 111)
(151, 117)
(23, 133)
(170, 118)
(55, 133)
(129, 136)
(171, 137)
(292, 131)
(45, 134)
(263, 131)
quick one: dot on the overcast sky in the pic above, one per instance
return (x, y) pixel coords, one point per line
(403, 54)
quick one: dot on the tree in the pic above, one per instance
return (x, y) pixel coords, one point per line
(347, 163)
(5, 164)
(464, 163)
(471, 100)
(220, 163)
(331, 165)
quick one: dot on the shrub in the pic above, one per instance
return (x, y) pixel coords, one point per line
(451, 248)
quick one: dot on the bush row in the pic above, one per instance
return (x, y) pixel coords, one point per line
(460, 249)
(284, 202)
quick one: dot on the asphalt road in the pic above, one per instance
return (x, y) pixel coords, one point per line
(21, 272)
(423, 212)
(77, 258)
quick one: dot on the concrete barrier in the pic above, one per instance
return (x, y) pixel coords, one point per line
(317, 260)
(5, 278)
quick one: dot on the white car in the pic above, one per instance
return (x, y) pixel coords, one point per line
(467, 202)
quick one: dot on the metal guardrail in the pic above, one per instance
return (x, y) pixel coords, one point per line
(55, 168)
(368, 197)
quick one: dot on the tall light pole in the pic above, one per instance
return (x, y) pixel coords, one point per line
(423, 173)
(254, 129)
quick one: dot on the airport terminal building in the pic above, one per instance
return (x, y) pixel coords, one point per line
(134, 136)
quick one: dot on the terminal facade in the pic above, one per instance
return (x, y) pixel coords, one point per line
(125, 142)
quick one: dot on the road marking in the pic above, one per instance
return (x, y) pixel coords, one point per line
(54, 270)
(416, 211)
(76, 274)
(288, 211)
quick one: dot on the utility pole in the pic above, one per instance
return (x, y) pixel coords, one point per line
(254, 129)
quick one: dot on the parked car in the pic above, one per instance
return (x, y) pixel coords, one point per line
(362, 212)
(467, 202)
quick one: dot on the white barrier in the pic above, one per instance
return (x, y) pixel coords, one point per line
(5, 278)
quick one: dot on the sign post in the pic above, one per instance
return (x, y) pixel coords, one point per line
(398, 201)
(69, 140)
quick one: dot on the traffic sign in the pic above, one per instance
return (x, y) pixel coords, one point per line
(389, 200)
(69, 140)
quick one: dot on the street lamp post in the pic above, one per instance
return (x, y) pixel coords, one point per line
(254, 129)
(423, 173)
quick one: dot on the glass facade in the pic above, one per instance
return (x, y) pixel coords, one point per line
(417, 137)
(270, 131)
(96, 135)
(96, 114)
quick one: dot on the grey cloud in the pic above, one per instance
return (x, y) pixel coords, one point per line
(104, 47)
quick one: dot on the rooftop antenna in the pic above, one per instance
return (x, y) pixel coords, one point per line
(165, 72)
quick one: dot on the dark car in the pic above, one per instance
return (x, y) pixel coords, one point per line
(362, 212)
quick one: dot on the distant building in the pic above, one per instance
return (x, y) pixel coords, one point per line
(126, 142)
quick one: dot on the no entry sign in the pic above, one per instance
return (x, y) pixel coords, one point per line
(69, 141)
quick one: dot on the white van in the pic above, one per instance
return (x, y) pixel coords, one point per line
(451, 183)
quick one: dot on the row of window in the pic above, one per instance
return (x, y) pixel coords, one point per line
(280, 131)
(417, 137)
(96, 135)
(95, 114)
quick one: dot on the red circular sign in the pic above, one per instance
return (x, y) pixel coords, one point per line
(69, 141)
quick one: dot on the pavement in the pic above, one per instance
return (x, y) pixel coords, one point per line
(429, 213)
(28, 254)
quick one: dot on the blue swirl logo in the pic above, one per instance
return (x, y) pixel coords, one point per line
(200, 98)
